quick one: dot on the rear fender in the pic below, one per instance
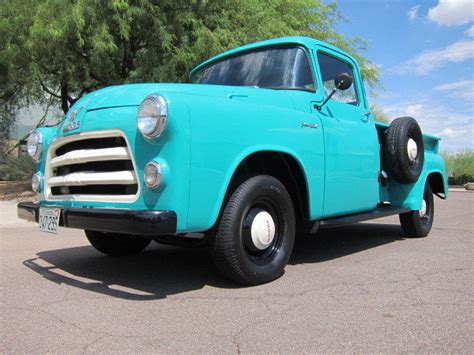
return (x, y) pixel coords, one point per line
(411, 195)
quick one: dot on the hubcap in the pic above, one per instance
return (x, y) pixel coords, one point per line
(423, 209)
(412, 149)
(262, 230)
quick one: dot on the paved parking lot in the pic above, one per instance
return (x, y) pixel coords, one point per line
(362, 288)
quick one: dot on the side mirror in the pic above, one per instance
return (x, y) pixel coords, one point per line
(343, 81)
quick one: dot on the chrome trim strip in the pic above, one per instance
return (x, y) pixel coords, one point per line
(90, 155)
(84, 179)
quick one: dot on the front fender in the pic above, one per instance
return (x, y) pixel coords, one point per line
(236, 163)
(226, 131)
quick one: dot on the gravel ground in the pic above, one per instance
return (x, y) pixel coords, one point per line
(362, 288)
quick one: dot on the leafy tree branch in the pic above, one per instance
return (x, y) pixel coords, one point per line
(82, 45)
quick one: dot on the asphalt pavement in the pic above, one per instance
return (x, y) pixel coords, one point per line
(361, 288)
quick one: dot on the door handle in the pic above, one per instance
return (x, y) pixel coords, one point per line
(309, 125)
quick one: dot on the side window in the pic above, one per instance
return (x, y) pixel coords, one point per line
(330, 67)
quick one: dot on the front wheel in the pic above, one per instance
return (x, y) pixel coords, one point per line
(116, 244)
(417, 224)
(256, 232)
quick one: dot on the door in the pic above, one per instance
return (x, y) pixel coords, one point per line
(351, 142)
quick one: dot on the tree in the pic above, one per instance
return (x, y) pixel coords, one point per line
(67, 48)
(461, 166)
(17, 86)
(379, 114)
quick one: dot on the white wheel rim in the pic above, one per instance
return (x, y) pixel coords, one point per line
(262, 230)
(412, 149)
(423, 209)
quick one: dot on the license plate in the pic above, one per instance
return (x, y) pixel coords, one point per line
(49, 219)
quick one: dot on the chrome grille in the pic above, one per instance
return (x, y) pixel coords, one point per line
(91, 166)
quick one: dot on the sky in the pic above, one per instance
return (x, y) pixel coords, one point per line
(425, 52)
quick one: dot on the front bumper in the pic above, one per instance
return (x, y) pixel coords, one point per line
(136, 222)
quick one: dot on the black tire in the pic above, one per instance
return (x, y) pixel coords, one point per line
(414, 223)
(116, 244)
(233, 251)
(397, 160)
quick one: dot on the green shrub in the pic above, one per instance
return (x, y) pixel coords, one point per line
(460, 166)
(16, 168)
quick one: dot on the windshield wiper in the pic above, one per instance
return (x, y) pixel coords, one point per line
(288, 88)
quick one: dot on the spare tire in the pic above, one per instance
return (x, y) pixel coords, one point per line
(404, 153)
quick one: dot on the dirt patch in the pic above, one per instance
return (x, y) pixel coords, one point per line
(17, 190)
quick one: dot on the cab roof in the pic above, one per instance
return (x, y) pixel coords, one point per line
(293, 40)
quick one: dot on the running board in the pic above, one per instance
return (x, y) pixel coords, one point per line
(360, 217)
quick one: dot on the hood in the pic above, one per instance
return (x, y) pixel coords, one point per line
(134, 94)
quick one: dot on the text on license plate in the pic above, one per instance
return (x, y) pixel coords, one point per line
(49, 219)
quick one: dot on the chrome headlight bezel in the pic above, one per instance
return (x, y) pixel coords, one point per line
(34, 144)
(152, 116)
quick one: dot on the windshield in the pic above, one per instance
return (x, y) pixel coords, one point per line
(275, 68)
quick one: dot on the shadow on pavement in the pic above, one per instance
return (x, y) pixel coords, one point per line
(160, 270)
(333, 243)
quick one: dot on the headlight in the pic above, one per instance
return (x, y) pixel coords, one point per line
(153, 173)
(34, 144)
(35, 182)
(152, 116)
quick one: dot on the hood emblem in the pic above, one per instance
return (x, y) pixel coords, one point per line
(71, 123)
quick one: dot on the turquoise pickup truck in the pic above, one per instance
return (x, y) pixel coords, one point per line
(265, 141)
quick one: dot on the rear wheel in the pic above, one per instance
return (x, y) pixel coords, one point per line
(116, 244)
(417, 224)
(256, 232)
